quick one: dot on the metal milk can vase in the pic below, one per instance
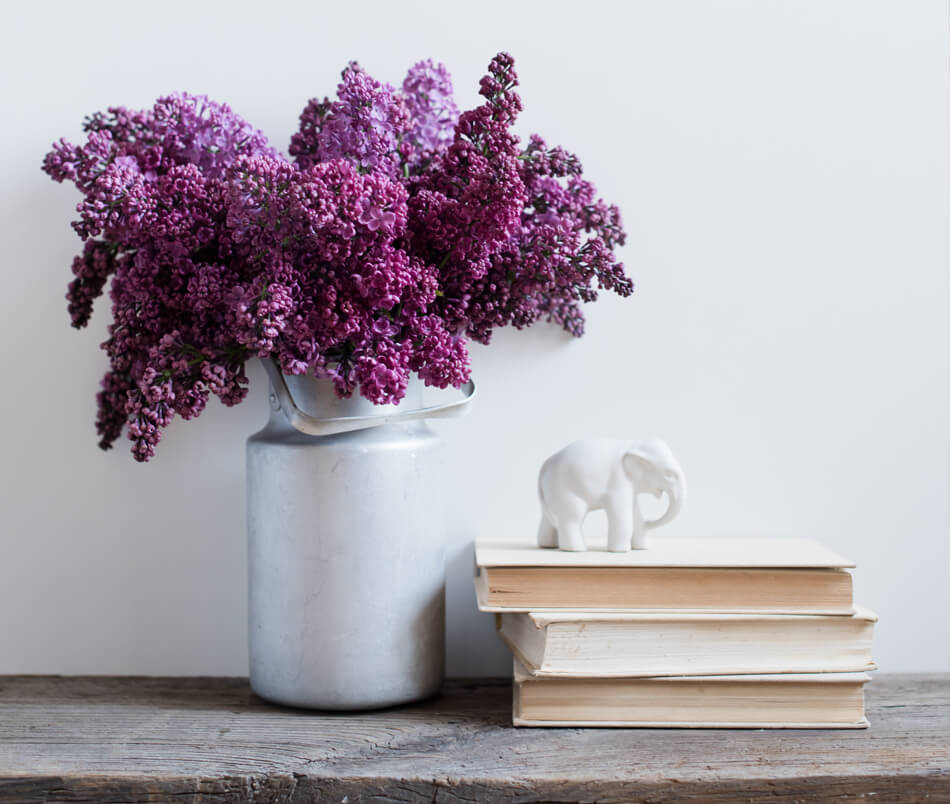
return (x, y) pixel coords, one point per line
(345, 528)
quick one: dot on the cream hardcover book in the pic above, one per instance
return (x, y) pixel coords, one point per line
(639, 643)
(782, 576)
(799, 700)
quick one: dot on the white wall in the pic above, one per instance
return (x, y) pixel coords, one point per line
(783, 170)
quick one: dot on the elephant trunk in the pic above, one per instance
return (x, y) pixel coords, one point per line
(676, 492)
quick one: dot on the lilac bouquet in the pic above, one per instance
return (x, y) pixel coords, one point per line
(397, 229)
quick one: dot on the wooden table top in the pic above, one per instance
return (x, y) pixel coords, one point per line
(210, 739)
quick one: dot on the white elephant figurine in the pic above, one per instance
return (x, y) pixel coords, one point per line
(603, 473)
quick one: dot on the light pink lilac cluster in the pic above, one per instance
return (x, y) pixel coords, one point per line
(397, 230)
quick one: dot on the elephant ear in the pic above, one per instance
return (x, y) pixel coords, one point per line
(636, 461)
(645, 457)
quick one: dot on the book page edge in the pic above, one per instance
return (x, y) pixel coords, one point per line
(652, 724)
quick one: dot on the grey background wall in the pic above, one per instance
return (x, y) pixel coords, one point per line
(783, 170)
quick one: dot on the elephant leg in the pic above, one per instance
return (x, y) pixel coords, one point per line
(619, 523)
(570, 535)
(570, 520)
(639, 528)
(547, 533)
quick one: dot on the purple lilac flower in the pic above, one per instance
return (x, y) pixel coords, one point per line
(427, 90)
(565, 244)
(92, 270)
(153, 217)
(365, 125)
(399, 230)
(469, 209)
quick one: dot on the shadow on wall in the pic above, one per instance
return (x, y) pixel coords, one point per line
(471, 644)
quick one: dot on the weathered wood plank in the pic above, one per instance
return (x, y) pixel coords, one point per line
(212, 740)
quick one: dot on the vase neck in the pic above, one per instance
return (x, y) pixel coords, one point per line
(318, 398)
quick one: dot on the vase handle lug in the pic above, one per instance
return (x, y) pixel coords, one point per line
(311, 425)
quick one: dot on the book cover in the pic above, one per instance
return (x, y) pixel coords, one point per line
(713, 574)
(801, 700)
(663, 643)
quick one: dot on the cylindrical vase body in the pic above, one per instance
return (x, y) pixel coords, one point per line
(346, 571)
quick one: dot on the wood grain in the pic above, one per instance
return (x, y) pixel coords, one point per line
(211, 740)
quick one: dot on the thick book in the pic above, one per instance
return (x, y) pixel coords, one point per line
(779, 701)
(782, 576)
(637, 643)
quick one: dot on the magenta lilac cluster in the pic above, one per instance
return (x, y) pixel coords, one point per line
(397, 230)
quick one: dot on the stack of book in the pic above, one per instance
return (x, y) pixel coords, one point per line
(745, 633)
